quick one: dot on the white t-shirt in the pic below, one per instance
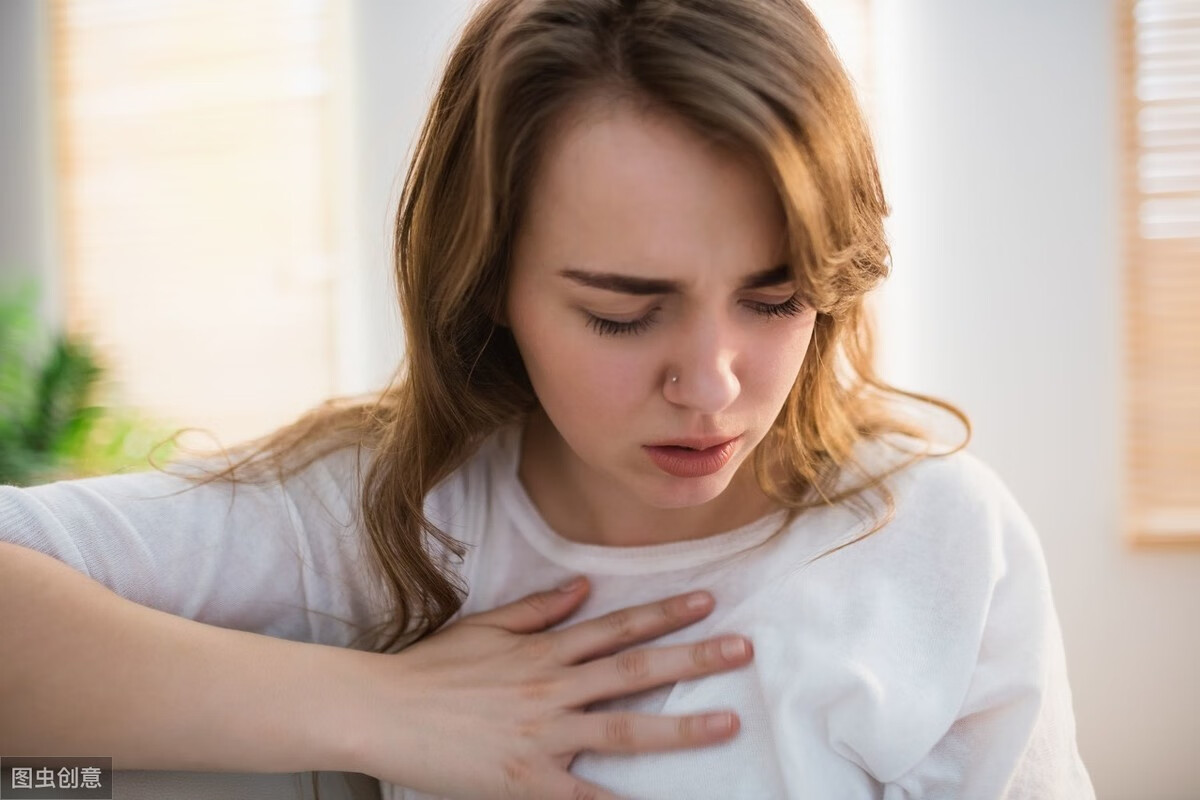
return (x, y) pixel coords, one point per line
(924, 661)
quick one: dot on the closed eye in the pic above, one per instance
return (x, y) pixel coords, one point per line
(788, 308)
(608, 327)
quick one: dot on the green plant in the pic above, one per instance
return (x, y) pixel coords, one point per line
(50, 427)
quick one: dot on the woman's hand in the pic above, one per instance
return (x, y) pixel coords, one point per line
(492, 706)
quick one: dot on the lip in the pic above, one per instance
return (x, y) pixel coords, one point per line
(674, 460)
(696, 443)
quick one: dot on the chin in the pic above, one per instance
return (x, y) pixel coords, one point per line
(665, 491)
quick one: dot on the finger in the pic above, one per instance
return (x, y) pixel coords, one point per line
(618, 630)
(636, 670)
(535, 612)
(524, 779)
(623, 732)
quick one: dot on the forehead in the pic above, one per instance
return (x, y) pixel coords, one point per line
(627, 188)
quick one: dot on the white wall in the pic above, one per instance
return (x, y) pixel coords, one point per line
(26, 198)
(1001, 146)
(399, 49)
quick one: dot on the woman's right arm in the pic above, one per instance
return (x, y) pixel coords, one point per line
(492, 706)
(86, 671)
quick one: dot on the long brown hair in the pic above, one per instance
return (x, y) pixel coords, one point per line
(758, 76)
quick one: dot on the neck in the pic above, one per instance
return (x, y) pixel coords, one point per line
(585, 506)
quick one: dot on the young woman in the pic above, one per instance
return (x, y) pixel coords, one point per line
(632, 255)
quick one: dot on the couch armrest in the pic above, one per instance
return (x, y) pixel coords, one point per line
(157, 785)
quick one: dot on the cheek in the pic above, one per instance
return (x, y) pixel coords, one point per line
(778, 363)
(577, 374)
(614, 380)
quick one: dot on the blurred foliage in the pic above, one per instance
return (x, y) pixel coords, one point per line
(50, 428)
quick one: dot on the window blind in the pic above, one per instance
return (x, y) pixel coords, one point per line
(1160, 50)
(197, 203)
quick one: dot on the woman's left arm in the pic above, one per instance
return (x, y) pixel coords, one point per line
(1014, 735)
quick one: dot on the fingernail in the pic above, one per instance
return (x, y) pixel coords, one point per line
(718, 723)
(733, 648)
(572, 584)
(697, 601)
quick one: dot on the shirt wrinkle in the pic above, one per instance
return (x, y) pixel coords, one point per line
(299, 529)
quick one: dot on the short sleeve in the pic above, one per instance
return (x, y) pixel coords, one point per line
(282, 559)
(1014, 735)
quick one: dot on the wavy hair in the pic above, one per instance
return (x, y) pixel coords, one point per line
(757, 76)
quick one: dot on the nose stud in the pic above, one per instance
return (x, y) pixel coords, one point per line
(674, 379)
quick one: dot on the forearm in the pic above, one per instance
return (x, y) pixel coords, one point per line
(86, 672)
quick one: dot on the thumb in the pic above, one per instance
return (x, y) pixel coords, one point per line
(537, 611)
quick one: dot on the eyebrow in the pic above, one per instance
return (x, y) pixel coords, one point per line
(628, 284)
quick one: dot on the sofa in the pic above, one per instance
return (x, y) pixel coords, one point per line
(151, 785)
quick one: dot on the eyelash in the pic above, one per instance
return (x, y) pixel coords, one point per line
(607, 327)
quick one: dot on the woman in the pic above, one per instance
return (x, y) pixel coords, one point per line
(632, 252)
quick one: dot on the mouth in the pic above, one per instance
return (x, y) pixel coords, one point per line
(691, 460)
(696, 443)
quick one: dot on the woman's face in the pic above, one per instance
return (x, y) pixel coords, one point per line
(647, 253)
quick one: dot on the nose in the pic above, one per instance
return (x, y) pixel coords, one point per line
(704, 366)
